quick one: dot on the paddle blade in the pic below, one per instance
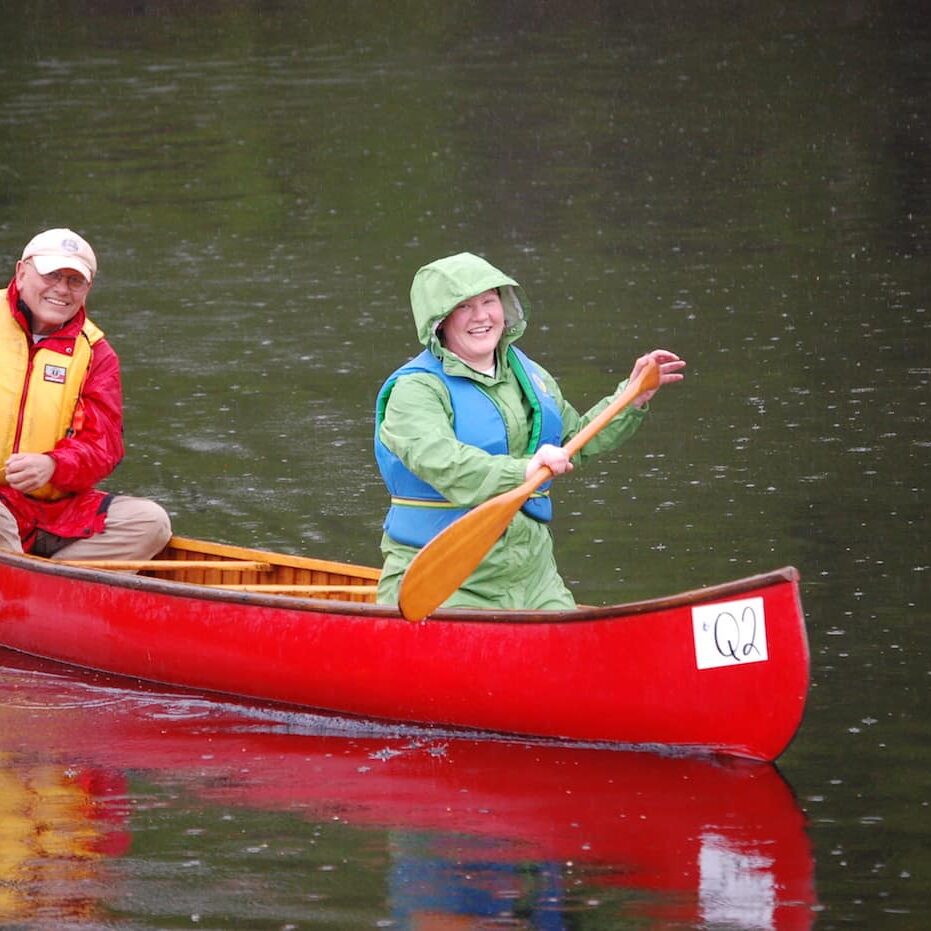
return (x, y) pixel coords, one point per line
(453, 555)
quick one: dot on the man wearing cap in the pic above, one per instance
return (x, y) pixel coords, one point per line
(61, 416)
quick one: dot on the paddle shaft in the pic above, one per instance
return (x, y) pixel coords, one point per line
(452, 555)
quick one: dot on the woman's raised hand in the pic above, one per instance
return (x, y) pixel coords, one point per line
(670, 370)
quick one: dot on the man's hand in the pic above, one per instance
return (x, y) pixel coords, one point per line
(28, 472)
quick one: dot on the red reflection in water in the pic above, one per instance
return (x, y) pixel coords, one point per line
(697, 840)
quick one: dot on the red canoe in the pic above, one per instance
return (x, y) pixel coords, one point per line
(722, 669)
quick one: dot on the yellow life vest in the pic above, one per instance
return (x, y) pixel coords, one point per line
(39, 400)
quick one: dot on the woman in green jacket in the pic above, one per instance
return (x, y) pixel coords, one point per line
(472, 417)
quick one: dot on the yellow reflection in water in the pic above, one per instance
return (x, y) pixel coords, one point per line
(54, 829)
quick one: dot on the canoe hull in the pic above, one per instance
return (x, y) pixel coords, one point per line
(722, 670)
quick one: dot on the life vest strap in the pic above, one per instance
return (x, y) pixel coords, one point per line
(443, 503)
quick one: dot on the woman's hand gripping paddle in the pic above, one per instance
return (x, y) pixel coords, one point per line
(452, 555)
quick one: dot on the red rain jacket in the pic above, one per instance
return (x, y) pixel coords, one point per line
(81, 460)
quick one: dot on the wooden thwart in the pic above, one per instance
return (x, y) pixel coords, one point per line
(169, 565)
(271, 589)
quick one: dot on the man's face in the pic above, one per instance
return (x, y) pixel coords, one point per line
(53, 299)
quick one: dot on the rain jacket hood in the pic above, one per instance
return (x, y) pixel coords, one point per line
(441, 285)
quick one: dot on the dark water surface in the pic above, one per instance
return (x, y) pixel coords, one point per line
(742, 183)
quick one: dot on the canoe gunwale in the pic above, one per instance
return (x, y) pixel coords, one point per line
(180, 589)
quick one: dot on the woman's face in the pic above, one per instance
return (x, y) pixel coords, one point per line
(473, 329)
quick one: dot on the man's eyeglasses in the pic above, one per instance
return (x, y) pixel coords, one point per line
(74, 282)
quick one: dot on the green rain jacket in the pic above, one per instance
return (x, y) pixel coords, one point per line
(520, 570)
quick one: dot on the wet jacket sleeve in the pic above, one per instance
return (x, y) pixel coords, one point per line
(418, 429)
(618, 431)
(96, 449)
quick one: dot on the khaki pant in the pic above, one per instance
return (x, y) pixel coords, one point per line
(136, 528)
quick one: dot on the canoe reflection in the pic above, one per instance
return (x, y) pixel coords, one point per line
(471, 824)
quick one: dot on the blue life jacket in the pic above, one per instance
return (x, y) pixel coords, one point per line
(418, 511)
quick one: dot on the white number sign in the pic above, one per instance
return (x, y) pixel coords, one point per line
(729, 633)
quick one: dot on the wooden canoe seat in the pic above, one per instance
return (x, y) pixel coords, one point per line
(169, 565)
(271, 589)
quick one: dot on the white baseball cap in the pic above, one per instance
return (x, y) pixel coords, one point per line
(61, 248)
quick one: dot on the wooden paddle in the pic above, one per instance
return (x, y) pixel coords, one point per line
(452, 555)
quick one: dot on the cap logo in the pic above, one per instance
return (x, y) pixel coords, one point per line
(69, 245)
